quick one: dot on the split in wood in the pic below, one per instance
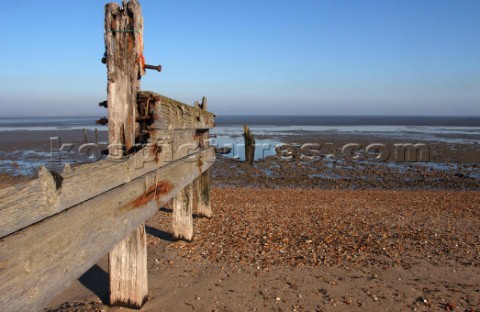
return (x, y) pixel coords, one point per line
(144, 118)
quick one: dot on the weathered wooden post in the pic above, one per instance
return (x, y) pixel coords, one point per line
(249, 145)
(85, 136)
(202, 183)
(183, 202)
(125, 66)
(182, 214)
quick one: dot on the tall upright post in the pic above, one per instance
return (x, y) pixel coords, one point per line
(202, 183)
(125, 66)
(249, 145)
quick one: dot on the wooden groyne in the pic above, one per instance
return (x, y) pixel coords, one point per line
(54, 228)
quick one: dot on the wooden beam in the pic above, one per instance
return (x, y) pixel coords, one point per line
(171, 114)
(25, 204)
(38, 262)
(182, 221)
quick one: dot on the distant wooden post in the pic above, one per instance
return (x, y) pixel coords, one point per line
(125, 66)
(202, 183)
(182, 214)
(85, 137)
(249, 145)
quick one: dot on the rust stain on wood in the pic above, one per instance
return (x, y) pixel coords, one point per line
(163, 187)
(154, 150)
(153, 192)
(130, 43)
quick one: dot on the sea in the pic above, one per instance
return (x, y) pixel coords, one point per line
(80, 122)
(270, 131)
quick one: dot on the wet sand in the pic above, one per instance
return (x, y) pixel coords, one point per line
(40, 139)
(22, 152)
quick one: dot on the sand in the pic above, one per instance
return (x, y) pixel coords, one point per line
(310, 250)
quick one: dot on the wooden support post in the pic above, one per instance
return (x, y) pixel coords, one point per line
(182, 214)
(202, 190)
(249, 145)
(128, 271)
(202, 183)
(125, 66)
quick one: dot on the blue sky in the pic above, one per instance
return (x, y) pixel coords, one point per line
(308, 57)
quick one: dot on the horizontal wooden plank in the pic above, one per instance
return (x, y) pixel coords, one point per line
(39, 261)
(170, 114)
(22, 205)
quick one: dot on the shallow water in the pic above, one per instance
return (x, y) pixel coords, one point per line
(269, 131)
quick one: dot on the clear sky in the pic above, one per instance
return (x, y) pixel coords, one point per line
(252, 57)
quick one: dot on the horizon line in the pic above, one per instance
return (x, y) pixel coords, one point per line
(260, 115)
